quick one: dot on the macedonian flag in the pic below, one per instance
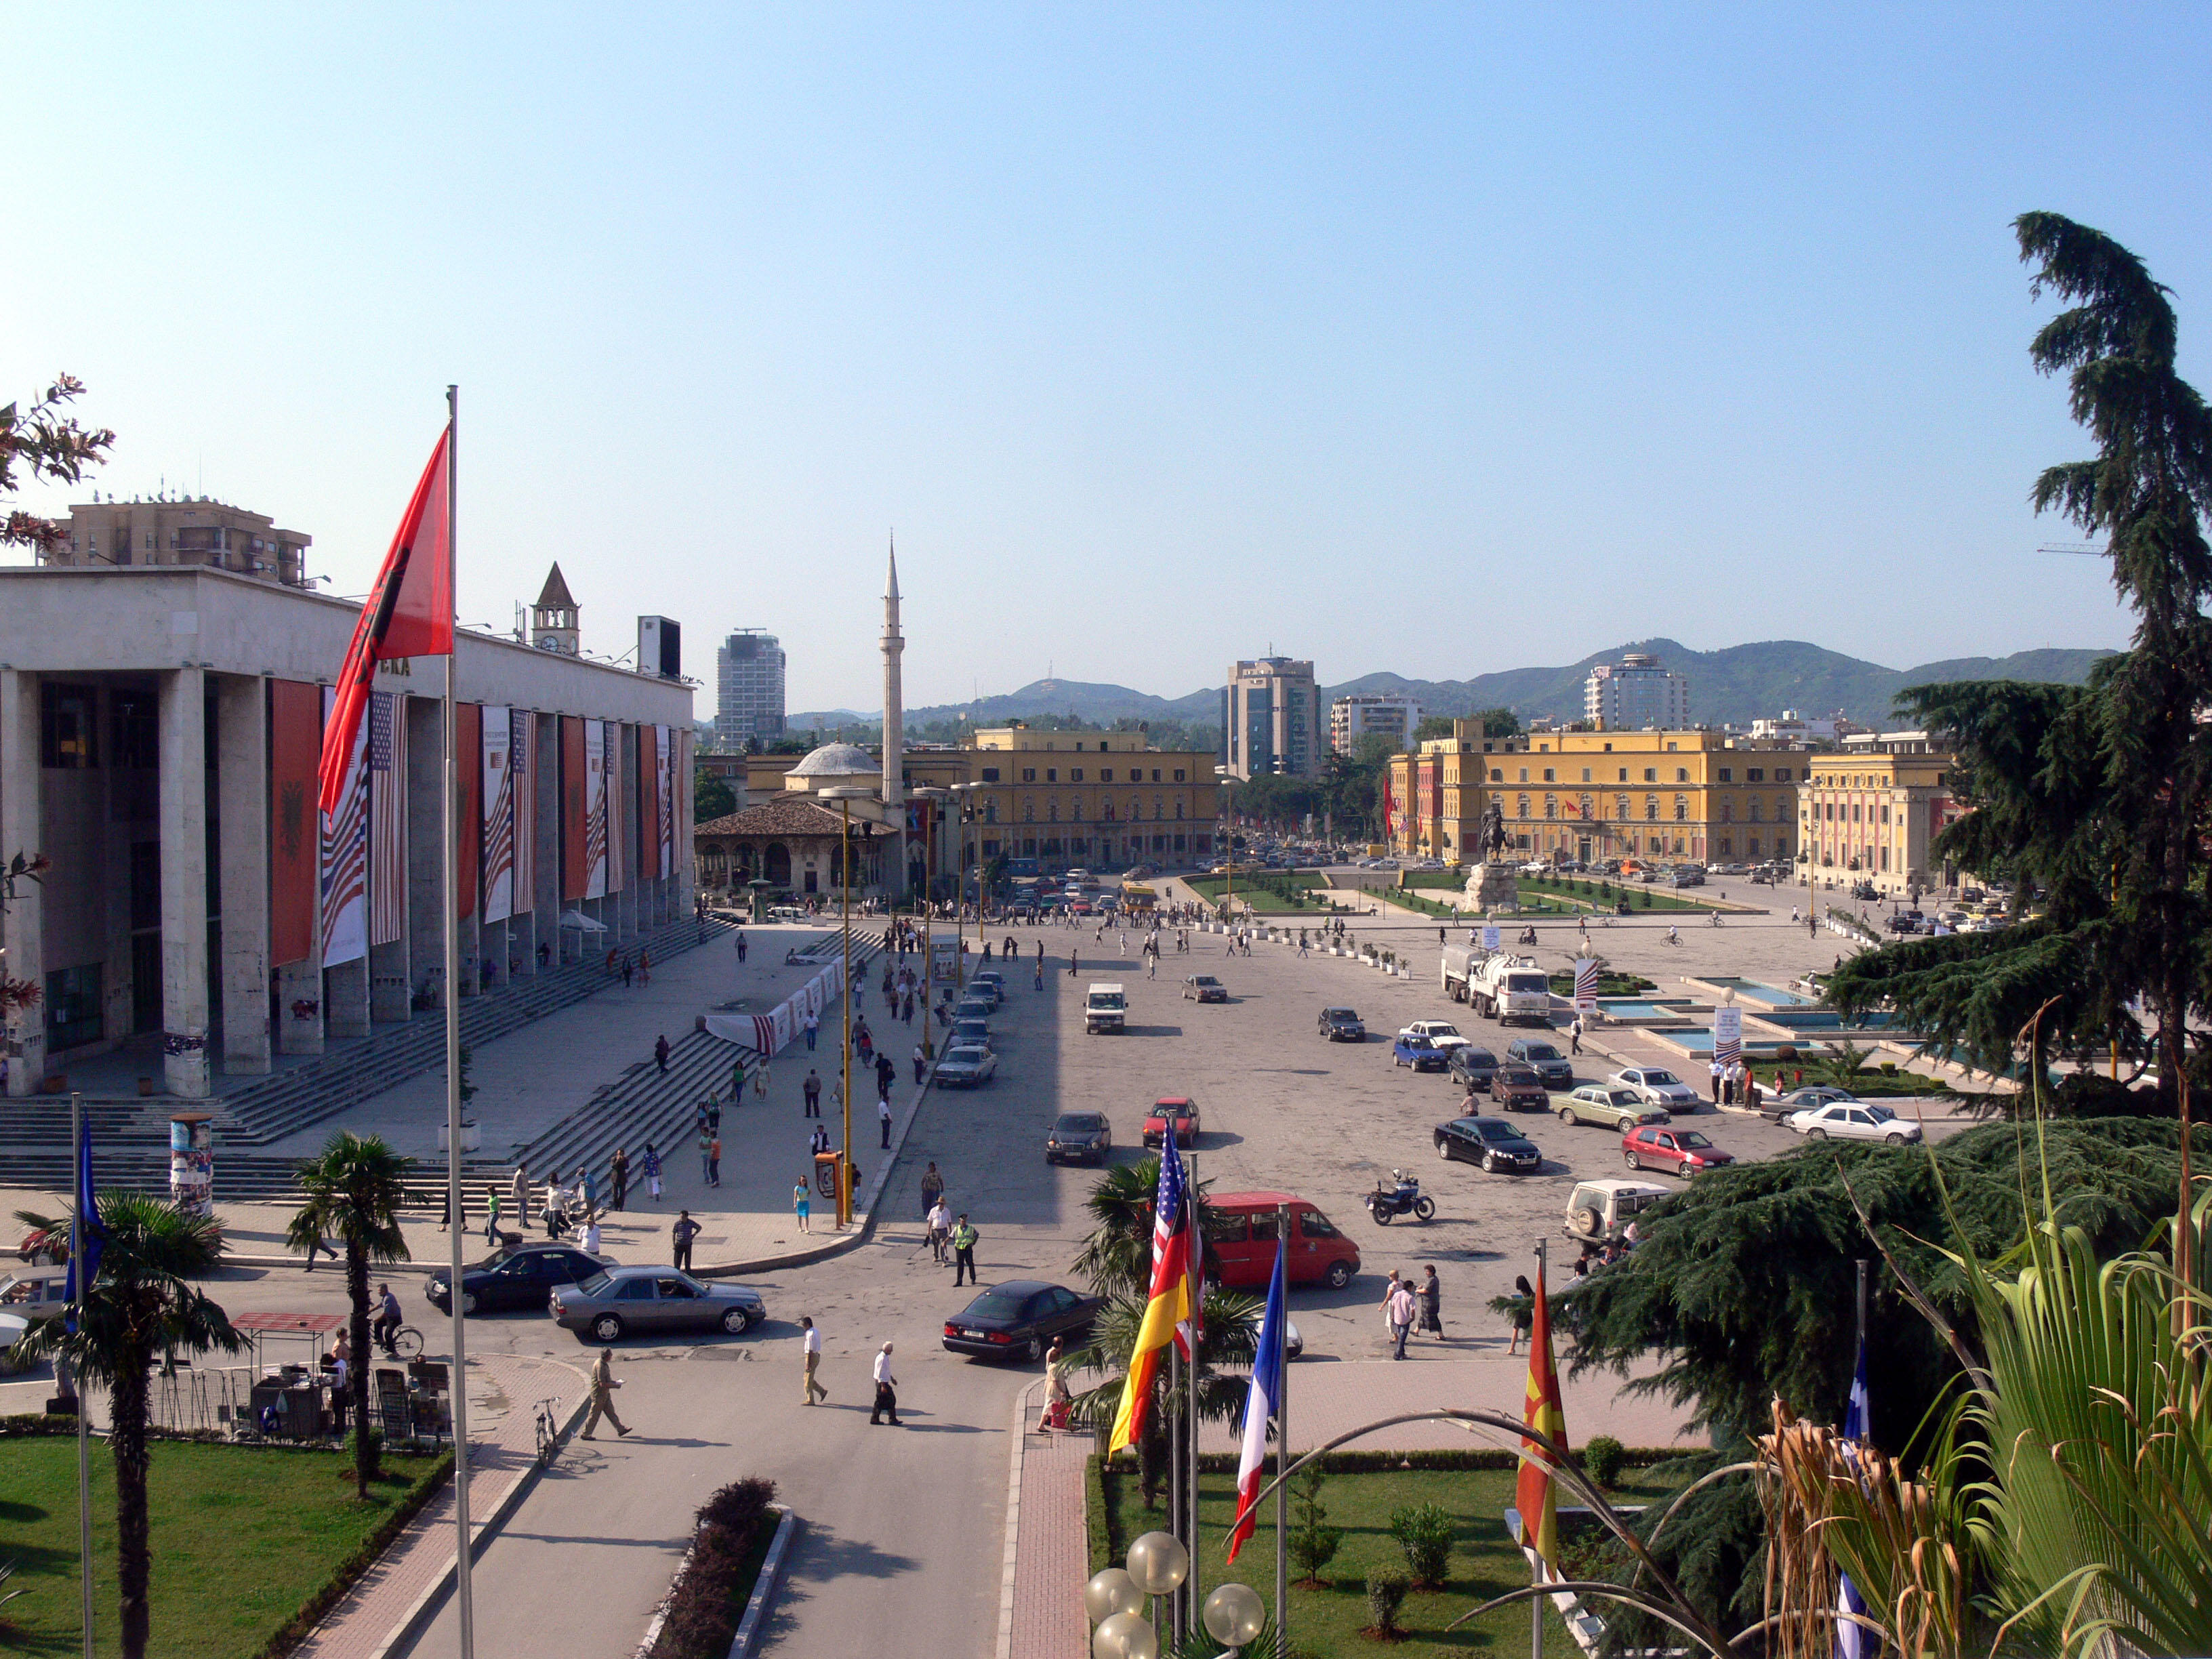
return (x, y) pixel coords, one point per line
(1169, 1301)
(1536, 1497)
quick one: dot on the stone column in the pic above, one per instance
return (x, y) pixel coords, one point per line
(241, 735)
(22, 831)
(345, 999)
(184, 883)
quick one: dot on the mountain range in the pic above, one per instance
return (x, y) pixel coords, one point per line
(1733, 686)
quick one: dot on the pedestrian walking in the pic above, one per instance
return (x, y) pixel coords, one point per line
(660, 1053)
(627, 970)
(705, 1148)
(1038, 983)
(491, 1221)
(652, 1171)
(1575, 1035)
(591, 1239)
(886, 1390)
(741, 947)
(812, 1090)
(920, 1065)
(906, 1006)
(738, 1080)
(602, 1395)
(714, 1162)
(520, 1187)
(319, 1243)
(1400, 1311)
(1431, 1295)
(681, 1233)
(1071, 964)
(883, 1119)
(1524, 1312)
(933, 1187)
(810, 1348)
(802, 1204)
(938, 1226)
(644, 966)
(760, 1079)
(963, 1250)
(813, 1030)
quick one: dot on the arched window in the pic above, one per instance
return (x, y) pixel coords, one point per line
(1621, 809)
(1076, 810)
(1681, 809)
(1523, 805)
(1178, 811)
(1029, 809)
(1551, 806)
(990, 811)
(1651, 811)
(1109, 809)
(1159, 811)
(1754, 810)
(1587, 812)
(1052, 810)
(1728, 814)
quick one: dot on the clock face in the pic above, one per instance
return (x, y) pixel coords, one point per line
(547, 642)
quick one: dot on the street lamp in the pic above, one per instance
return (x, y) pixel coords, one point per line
(964, 797)
(1225, 781)
(930, 797)
(845, 798)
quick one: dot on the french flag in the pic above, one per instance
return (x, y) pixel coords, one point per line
(1260, 1405)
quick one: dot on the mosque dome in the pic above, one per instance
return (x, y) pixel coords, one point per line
(835, 761)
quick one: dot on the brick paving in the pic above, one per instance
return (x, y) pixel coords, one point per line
(504, 1393)
(1052, 1559)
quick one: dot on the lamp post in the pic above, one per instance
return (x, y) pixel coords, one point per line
(963, 794)
(930, 797)
(1225, 781)
(844, 798)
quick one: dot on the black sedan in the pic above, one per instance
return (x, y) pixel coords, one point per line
(1492, 1142)
(1472, 1067)
(1017, 1320)
(1080, 1137)
(1342, 1025)
(1544, 1060)
(522, 1277)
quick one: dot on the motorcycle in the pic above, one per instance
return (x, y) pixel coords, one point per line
(1405, 1199)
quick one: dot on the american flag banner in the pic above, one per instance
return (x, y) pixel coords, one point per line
(664, 750)
(595, 809)
(498, 814)
(387, 816)
(345, 859)
(621, 812)
(521, 723)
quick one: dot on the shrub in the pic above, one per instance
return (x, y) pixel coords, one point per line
(1386, 1589)
(1313, 1545)
(1425, 1532)
(1647, 898)
(1602, 1459)
(702, 1619)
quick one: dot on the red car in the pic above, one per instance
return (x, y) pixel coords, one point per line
(1183, 1110)
(1684, 1152)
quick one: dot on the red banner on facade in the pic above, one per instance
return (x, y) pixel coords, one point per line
(575, 855)
(296, 751)
(468, 755)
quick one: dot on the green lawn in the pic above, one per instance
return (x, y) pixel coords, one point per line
(1267, 899)
(1327, 1622)
(1570, 888)
(242, 1536)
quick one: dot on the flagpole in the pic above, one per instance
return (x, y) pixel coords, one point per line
(81, 1173)
(1528, 1523)
(465, 1599)
(1197, 1324)
(1175, 1477)
(1282, 1459)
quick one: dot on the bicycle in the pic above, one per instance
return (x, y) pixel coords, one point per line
(406, 1343)
(549, 1431)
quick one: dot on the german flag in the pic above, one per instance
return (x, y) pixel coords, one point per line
(1536, 1497)
(1168, 1303)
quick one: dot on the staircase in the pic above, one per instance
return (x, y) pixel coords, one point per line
(131, 1137)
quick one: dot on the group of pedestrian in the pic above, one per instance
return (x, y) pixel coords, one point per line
(1733, 1085)
(1407, 1303)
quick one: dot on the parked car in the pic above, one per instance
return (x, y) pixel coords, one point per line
(1490, 1142)
(1442, 1032)
(1544, 1058)
(1599, 1210)
(1418, 1053)
(1777, 1107)
(975, 1007)
(969, 1033)
(35, 1295)
(1657, 1085)
(1684, 1152)
(1342, 1025)
(1079, 1138)
(520, 1277)
(1853, 1120)
(1204, 987)
(1518, 1089)
(1472, 1065)
(1240, 1242)
(1018, 1319)
(967, 1065)
(619, 1302)
(44, 1247)
(1182, 1109)
(1609, 1107)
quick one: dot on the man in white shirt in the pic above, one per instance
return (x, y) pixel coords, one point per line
(939, 1225)
(592, 1237)
(810, 1345)
(886, 1389)
(1399, 1310)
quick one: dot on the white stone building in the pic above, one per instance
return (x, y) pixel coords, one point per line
(159, 732)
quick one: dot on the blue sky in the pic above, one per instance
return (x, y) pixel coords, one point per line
(1434, 339)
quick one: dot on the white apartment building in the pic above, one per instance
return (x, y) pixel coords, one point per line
(1636, 695)
(1351, 719)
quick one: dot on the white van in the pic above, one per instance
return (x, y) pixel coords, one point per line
(1105, 1008)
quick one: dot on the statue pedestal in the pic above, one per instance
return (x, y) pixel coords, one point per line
(1493, 887)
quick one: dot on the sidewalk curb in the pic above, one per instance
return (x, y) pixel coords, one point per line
(765, 1586)
(1005, 1643)
(427, 1605)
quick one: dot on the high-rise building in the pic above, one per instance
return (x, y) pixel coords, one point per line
(1351, 719)
(748, 679)
(1270, 718)
(183, 530)
(1636, 695)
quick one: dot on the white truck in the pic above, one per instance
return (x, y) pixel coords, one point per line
(1105, 1008)
(1498, 985)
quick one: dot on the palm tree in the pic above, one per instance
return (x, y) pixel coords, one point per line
(140, 1307)
(355, 1187)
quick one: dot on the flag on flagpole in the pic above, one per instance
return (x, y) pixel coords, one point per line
(1854, 1640)
(409, 613)
(1261, 1404)
(87, 1219)
(1536, 1495)
(1168, 1303)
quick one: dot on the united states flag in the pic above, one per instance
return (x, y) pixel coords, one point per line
(387, 851)
(345, 865)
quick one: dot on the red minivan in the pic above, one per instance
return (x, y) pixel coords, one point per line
(1240, 1242)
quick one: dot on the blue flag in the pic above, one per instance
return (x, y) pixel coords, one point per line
(84, 1226)
(1853, 1640)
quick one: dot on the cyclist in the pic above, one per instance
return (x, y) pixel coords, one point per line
(1674, 934)
(386, 1325)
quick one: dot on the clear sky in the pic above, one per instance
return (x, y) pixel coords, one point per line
(1439, 339)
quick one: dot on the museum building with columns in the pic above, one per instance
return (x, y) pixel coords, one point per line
(160, 731)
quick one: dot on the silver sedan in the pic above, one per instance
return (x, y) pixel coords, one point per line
(649, 1301)
(969, 1066)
